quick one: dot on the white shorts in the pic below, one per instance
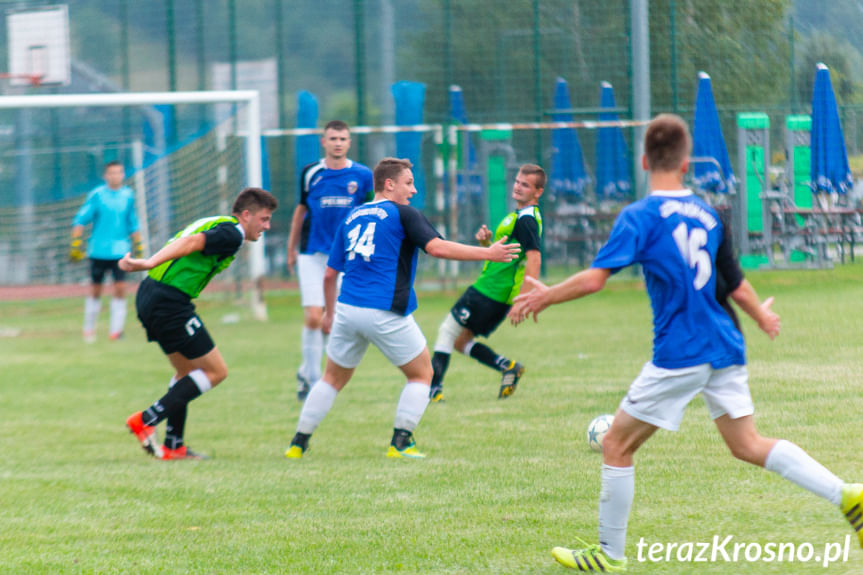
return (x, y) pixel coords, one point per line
(397, 336)
(310, 269)
(659, 396)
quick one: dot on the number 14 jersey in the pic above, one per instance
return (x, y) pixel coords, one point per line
(674, 235)
(376, 248)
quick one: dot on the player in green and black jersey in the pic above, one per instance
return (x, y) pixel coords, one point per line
(486, 303)
(176, 275)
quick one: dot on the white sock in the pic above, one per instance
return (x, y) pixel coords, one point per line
(412, 405)
(92, 305)
(201, 380)
(118, 315)
(797, 466)
(615, 501)
(313, 353)
(316, 407)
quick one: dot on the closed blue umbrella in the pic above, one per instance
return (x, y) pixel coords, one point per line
(830, 171)
(612, 158)
(472, 185)
(307, 147)
(410, 103)
(457, 110)
(708, 143)
(568, 176)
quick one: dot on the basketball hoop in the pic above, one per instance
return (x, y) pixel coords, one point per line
(29, 79)
(38, 46)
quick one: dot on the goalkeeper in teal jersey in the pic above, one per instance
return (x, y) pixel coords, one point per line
(487, 302)
(111, 210)
(176, 275)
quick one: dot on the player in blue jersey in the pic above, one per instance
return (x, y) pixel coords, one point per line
(111, 210)
(376, 248)
(329, 189)
(675, 236)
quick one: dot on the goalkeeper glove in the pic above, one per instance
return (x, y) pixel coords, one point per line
(76, 253)
(137, 249)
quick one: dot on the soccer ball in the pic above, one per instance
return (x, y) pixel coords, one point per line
(597, 430)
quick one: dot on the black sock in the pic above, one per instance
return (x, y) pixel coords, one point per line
(174, 428)
(484, 354)
(184, 391)
(440, 363)
(301, 439)
(401, 438)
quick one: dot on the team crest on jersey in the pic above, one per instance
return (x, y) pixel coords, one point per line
(353, 187)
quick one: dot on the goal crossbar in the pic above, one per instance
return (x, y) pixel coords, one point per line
(128, 99)
(250, 97)
(252, 112)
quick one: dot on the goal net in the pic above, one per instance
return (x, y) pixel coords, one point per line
(186, 155)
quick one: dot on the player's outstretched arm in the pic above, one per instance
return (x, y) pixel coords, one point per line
(768, 320)
(576, 286)
(496, 252)
(531, 302)
(176, 249)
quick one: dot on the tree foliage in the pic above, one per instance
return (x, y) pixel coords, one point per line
(840, 57)
(743, 44)
(829, 32)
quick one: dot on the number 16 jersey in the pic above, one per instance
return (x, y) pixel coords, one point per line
(674, 235)
(376, 248)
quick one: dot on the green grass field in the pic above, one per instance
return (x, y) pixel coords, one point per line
(504, 481)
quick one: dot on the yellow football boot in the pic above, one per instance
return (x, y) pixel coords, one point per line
(852, 507)
(403, 446)
(588, 558)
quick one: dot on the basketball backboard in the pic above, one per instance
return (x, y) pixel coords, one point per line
(39, 46)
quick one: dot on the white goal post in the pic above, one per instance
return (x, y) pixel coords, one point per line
(248, 113)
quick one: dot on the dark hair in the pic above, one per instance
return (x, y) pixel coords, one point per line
(337, 125)
(254, 199)
(111, 165)
(536, 171)
(389, 169)
(667, 143)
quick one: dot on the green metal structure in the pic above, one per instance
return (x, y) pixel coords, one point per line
(753, 150)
